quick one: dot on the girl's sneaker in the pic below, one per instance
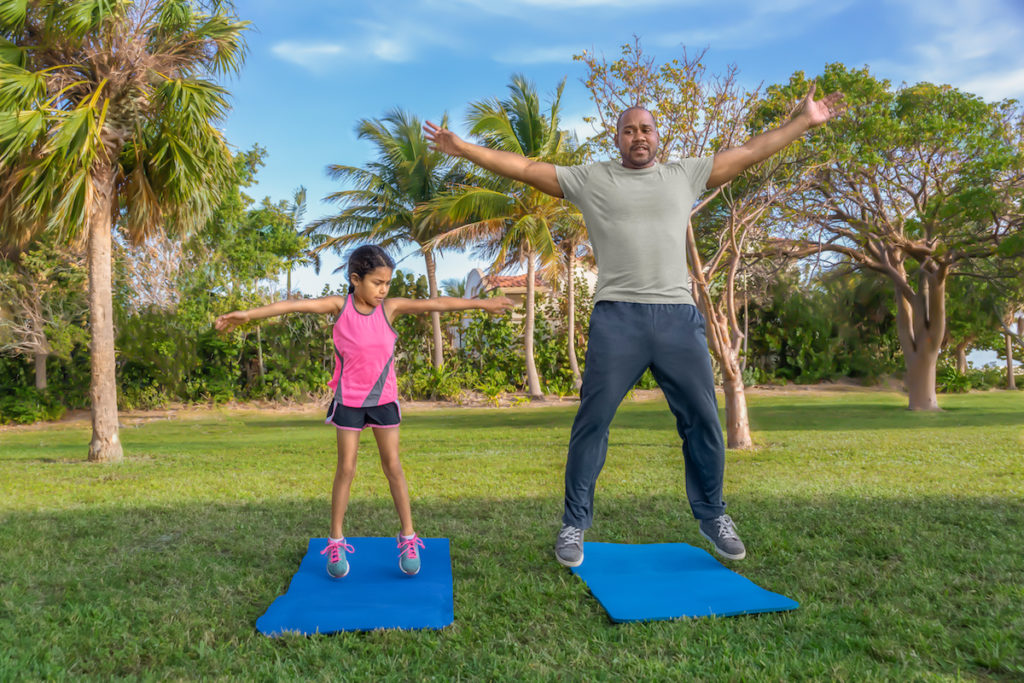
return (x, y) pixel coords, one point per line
(337, 564)
(408, 556)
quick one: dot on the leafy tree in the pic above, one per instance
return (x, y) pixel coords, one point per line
(925, 182)
(42, 303)
(107, 109)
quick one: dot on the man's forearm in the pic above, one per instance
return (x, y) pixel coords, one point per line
(506, 164)
(762, 146)
(538, 174)
(731, 162)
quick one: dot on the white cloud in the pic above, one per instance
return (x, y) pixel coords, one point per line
(998, 86)
(371, 40)
(312, 56)
(973, 45)
(390, 50)
(750, 24)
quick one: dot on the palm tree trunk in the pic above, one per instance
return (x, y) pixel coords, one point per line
(105, 445)
(570, 296)
(1011, 380)
(260, 369)
(532, 379)
(437, 356)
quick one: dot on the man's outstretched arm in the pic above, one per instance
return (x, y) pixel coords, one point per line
(730, 163)
(539, 174)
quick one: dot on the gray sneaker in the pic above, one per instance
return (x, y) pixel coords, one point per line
(569, 546)
(721, 531)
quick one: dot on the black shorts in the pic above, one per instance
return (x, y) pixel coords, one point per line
(358, 419)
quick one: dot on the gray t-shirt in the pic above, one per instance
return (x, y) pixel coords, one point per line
(636, 219)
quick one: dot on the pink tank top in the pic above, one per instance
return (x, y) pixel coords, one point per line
(364, 358)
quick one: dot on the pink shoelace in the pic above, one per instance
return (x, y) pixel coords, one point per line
(407, 546)
(334, 548)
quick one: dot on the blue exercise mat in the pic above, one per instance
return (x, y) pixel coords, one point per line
(374, 595)
(667, 581)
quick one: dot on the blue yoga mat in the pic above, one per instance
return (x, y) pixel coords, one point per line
(374, 595)
(667, 581)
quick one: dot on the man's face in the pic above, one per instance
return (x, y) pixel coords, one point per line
(637, 138)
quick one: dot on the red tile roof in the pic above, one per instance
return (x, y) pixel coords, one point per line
(508, 281)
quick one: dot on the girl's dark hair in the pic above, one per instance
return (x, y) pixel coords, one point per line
(366, 259)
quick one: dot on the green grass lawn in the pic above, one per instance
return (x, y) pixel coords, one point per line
(900, 534)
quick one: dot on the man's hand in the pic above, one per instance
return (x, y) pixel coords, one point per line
(442, 139)
(730, 163)
(539, 174)
(230, 321)
(497, 305)
(817, 113)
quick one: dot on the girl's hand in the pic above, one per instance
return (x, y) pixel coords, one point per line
(230, 321)
(497, 305)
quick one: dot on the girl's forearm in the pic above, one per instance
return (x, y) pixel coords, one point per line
(454, 303)
(271, 310)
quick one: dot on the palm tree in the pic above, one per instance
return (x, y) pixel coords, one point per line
(573, 248)
(454, 287)
(107, 112)
(382, 206)
(509, 222)
(303, 255)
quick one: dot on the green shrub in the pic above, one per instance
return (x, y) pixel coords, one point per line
(27, 405)
(427, 383)
(146, 397)
(948, 380)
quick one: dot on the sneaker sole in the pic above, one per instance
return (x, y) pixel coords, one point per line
(409, 573)
(728, 556)
(339, 577)
(567, 563)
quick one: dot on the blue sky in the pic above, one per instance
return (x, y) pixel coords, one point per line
(316, 67)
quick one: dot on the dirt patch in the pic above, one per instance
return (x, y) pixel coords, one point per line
(888, 384)
(133, 418)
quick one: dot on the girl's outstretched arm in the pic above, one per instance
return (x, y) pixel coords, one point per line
(398, 306)
(327, 304)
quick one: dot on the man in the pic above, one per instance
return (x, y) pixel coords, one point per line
(636, 211)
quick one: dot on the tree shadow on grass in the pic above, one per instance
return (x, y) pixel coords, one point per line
(457, 419)
(909, 588)
(839, 416)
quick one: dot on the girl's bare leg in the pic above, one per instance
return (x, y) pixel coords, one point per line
(387, 444)
(348, 444)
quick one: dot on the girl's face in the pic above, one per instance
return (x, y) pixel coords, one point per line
(373, 287)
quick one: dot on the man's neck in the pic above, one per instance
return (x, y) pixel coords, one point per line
(624, 164)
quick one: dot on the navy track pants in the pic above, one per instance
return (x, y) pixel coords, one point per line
(626, 339)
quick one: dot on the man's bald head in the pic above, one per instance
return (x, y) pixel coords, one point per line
(636, 136)
(629, 110)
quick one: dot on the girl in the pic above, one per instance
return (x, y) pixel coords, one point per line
(364, 384)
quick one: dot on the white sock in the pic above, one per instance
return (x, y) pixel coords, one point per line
(335, 540)
(406, 538)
